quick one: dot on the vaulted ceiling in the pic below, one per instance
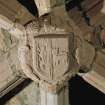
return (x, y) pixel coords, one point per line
(15, 11)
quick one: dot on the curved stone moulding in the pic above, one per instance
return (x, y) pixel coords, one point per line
(52, 52)
(14, 29)
(47, 50)
(47, 6)
(50, 47)
(44, 55)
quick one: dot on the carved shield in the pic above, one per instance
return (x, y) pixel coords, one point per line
(51, 56)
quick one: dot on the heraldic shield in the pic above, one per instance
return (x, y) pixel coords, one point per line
(52, 55)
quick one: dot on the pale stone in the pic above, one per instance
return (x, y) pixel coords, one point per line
(9, 64)
(59, 98)
(103, 9)
(43, 6)
(103, 36)
(85, 54)
(24, 56)
(50, 47)
(98, 64)
(13, 28)
(13, 10)
(96, 76)
(95, 80)
(46, 6)
(30, 95)
(47, 51)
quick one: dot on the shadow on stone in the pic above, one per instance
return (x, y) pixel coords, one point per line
(30, 5)
(82, 93)
(14, 92)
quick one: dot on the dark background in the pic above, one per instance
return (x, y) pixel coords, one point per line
(82, 93)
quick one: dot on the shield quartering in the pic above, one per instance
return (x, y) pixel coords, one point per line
(51, 56)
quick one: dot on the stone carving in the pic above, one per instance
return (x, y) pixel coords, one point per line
(52, 53)
(46, 55)
(83, 55)
(103, 9)
(50, 56)
(9, 63)
(51, 49)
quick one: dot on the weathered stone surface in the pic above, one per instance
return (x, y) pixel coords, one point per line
(46, 6)
(103, 37)
(99, 65)
(13, 10)
(48, 52)
(85, 54)
(9, 63)
(96, 77)
(28, 96)
(51, 57)
(96, 80)
(13, 28)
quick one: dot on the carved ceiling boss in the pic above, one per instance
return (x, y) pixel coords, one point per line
(51, 48)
